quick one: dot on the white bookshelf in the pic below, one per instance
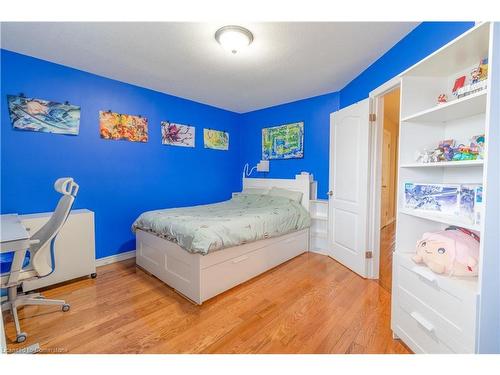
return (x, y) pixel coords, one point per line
(419, 296)
(318, 241)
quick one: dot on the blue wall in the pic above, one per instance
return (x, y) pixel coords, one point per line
(419, 43)
(118, 179)
(315, 112)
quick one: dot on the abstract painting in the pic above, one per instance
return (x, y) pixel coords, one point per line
(283, 142)
(177, 134)
(216, 139)
(43, 115)
(119, 126)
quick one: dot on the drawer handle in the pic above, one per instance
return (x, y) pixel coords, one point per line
(240, 259)
(422, 272)
(422, 321)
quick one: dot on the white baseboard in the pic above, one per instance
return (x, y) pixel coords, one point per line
(115, 258)
(319, 251)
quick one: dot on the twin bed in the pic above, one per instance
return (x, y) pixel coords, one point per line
(205, 250)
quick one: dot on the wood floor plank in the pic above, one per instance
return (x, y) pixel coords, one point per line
(387, 244)
(310, 304)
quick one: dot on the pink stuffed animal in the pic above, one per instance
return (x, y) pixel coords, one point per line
(454, 251)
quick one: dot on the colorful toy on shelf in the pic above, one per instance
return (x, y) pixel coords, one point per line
(463, 152)
(477, 145)
(446, 147)
(475, 74)
(424, 156)
(483, 69)
(436, 156)
(447, 151)
(476, 82)
(454, 252)
(459, 84)
(442, 99)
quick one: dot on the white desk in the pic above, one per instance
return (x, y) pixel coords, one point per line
(14, 237)
(13, 234)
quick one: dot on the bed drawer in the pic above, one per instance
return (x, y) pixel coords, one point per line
(224, 275)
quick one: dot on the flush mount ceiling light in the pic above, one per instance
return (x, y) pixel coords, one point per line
(233, 38)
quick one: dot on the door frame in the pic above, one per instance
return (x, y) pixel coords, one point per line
(375, 179)
(387, 133)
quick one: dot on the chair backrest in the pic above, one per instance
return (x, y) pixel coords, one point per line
(46, 235)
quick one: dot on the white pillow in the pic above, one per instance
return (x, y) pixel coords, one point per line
(255, 191)
(292, 195)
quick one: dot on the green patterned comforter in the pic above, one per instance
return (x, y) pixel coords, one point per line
(244, 218)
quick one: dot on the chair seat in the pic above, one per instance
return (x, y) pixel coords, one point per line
(7, 258)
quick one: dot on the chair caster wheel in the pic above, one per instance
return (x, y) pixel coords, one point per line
(21, 337)
(65, 307)
(93, 275)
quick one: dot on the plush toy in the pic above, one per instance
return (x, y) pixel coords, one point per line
(454, 252)
(463, 152)
(437, 156)
(477, 145)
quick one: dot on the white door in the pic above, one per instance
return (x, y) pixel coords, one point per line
(385, 204)
(349, 176)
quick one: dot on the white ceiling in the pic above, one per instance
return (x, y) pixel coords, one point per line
(286, 61)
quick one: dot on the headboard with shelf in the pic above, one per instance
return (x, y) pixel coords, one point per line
(302, 183)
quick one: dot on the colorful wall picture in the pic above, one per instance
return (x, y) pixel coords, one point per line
(283, 142)
(177, 134)
(43, 115)
(127, 127)
(216, 139)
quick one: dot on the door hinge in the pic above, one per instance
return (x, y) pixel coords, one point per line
(369, 254)
(373, 117)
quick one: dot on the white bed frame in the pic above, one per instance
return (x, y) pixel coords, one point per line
(201, 277)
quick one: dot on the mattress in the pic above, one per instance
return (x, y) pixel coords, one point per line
(244, 218)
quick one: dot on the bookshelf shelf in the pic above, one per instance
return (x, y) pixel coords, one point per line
(446, 164)
(449, 220)
(464, 107)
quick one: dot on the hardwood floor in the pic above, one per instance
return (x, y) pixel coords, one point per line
(310, 304)
(387, 243)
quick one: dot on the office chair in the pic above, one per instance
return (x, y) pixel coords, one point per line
(40, 261)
